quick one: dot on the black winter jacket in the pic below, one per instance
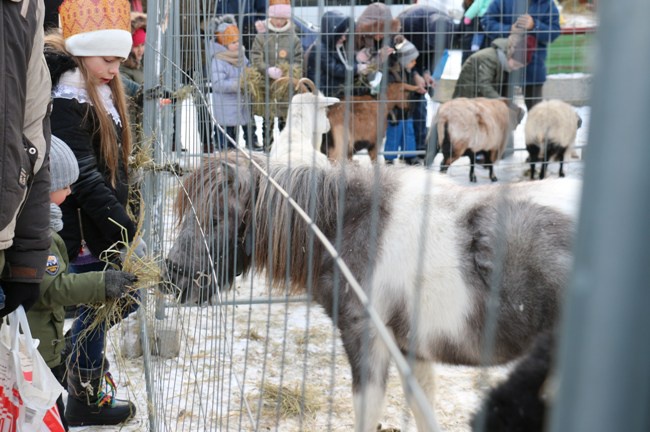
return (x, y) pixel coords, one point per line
(333, 69)
(89, 212)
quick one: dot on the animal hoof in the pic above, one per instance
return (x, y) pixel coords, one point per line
(493, 179)
(561, 174)
(472, 179)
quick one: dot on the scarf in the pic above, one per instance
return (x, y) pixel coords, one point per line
(56, 217)
(72, 86)
(282, 29)
(234, 58)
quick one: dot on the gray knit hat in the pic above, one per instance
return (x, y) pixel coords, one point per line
(406, 52)
(64, 169)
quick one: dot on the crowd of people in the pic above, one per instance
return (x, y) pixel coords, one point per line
(75, 81)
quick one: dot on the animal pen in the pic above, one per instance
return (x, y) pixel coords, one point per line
(349, 267)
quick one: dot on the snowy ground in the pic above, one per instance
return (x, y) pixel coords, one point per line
(228, 352)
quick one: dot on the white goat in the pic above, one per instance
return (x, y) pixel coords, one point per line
(551, 129)
(299, 142)
(466, 126)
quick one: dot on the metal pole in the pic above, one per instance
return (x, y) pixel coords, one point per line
(604, 359)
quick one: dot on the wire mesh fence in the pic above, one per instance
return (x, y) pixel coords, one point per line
(311, 278)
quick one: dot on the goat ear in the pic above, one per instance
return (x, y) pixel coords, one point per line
(328, 101)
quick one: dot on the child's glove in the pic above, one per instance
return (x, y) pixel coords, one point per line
(363, 56)
(117, 283)
(362, 68)
(475, 48)
(274, 72)
(467, 21)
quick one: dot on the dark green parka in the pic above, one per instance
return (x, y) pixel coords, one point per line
(483, 73)
(58, 289)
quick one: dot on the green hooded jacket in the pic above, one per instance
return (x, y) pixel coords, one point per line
(58, 289)
(483, 74)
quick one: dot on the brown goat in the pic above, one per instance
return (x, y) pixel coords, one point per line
(466, 126)
(366, 121)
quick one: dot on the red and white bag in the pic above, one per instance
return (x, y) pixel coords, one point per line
(28, 389)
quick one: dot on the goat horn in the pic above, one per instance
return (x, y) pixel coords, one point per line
(306, 83)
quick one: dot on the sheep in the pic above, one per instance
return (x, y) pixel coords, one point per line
(521, 401)
(365, 124)
(466, 126)
(300, 140)
(550, 131)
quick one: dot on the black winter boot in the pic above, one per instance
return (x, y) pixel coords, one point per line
(88, 401)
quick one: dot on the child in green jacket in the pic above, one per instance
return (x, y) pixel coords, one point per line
(59, 288)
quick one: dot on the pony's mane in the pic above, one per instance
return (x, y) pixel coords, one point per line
(283, 243)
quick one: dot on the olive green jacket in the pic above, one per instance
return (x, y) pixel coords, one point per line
(58, 289)
(482, 74)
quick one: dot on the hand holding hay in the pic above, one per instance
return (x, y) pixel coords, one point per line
(118, 283)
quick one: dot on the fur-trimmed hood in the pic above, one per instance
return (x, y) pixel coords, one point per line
(58, 63)
(138, 21)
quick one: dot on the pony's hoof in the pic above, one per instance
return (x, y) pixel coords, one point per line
(472, 179)
(493, 179)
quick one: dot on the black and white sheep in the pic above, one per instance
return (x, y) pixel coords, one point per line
(520, 403)
(466, 126)
(551, 129)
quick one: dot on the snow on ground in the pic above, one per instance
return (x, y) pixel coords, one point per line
(228, 352)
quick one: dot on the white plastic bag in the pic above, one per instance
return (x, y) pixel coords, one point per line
(28, 389)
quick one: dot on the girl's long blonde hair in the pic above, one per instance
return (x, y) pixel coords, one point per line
(109, 151)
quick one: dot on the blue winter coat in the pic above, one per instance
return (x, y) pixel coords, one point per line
(229, 104)
(500, 16)
(333, 68)
(430, 30)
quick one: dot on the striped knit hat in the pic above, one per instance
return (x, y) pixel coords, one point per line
(64, 169)
(406, 53)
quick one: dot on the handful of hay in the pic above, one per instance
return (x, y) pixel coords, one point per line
(276, 102)
(146, 270)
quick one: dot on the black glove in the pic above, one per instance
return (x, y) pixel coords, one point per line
(19, 293)
(118, 283)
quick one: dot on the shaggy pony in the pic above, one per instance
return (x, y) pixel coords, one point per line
(426, 253)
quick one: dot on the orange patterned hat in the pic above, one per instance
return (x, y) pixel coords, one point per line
(96, 27)
(227, 34)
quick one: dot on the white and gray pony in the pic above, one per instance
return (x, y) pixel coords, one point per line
(428, 254)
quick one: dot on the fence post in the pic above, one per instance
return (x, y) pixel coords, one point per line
(604, 358)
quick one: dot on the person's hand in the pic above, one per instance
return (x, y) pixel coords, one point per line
(19, 293)
(118, 283)
(139, 250)
(524, 22)
(363, 56)
(419, 81)
(362, 68)
(428, 79)
(274, 72)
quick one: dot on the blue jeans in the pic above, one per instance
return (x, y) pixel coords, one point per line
(418, 112)
(88, 344)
